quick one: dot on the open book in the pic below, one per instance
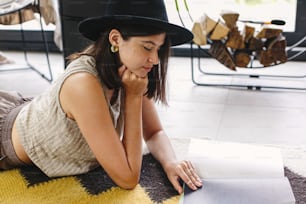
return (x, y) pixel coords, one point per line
(237, 173)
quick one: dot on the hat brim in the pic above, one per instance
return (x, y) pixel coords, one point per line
(92, 27)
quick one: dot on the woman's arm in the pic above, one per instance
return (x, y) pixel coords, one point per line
(83, 100)
(161, 148)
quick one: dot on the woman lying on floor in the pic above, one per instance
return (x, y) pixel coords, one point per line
(100, 109)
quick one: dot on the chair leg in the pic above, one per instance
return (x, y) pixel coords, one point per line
(46, 48)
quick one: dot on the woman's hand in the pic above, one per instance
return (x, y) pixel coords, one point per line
(133, 84)
(184, 171)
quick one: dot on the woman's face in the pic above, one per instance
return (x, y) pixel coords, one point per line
(139, 54)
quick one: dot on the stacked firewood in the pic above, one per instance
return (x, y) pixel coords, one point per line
(234, 48)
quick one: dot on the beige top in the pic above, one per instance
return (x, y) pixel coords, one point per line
(54, 142)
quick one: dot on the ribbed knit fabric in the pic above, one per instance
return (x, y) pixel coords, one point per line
(53, 141)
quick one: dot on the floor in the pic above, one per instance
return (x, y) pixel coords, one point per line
(267, 116)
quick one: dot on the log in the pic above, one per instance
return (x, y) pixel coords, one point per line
(206, 27)
(235, 39)
(234, 48)
(275, 51)
(248, 33)
(230, 18)
(267, 32)
(266, 58)
(255, 44)
(242, 58)
(207, 24)
(199, 35)
(219, 32)
(279, 51)
(221, 53)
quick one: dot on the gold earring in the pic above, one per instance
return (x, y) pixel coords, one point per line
(114, 48)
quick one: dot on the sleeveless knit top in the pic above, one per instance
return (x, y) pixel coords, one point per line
(54, 142)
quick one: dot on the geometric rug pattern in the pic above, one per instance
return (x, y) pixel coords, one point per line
(28, 185)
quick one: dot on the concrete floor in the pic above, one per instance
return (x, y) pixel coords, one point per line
(267, 116)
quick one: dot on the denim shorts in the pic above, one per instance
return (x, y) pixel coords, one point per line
(10, 105)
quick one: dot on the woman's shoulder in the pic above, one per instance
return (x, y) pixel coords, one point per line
(83, 63)
(81, 71)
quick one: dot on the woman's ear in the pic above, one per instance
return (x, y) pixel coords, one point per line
(114, 37)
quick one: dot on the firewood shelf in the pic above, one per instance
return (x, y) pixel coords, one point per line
(252, 77)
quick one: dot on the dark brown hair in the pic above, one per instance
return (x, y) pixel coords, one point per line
(108, 63)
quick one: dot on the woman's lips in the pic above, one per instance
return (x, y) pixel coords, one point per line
(147, 68)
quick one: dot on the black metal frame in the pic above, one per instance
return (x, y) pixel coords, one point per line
(201, 70)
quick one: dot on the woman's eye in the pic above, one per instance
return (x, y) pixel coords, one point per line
(148, 48)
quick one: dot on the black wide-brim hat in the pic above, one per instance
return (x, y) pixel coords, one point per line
(135, 12)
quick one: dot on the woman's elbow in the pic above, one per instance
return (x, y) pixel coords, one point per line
(129, 182)
(128, 186)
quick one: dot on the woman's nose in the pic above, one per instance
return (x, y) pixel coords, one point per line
(154, 59)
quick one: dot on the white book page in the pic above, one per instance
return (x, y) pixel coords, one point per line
(241, 191)
(214, 159)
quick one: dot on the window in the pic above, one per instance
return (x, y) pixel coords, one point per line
(255, 10)
(291, 11)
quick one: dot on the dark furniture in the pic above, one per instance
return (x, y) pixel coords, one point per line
(72, 12)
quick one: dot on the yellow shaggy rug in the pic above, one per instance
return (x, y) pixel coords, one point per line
(29, 185)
